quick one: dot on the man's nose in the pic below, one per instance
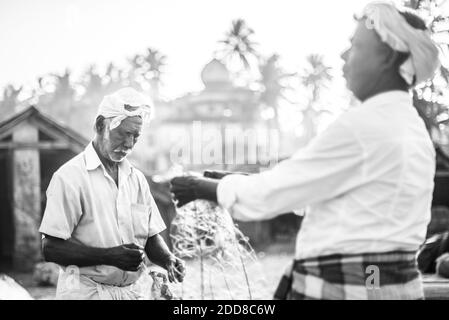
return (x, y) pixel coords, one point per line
(344, 55)
(129, 142)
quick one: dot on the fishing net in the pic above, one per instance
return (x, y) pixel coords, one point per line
(221, 264)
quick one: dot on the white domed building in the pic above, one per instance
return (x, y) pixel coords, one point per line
(196, 130)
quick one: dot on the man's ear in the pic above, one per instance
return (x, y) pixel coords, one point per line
(99, 124)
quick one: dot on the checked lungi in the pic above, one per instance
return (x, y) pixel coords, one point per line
(371, 276)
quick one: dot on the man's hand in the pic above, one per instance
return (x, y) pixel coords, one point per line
(188, 188)
(127, 257)
(158, 253)
(175, 269)
(182, 189)
(217, 174)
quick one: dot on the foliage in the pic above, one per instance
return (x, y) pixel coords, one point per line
(274, 82)
(147, 69)
(432, 98)
(316, 77)
(75, 101)
(9, 100)
(238, 44)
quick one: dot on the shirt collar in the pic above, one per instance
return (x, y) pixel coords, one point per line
(93, 161)
(389, 97)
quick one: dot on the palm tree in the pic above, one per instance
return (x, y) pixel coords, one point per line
(273, 85)
(238, 45)
(62, 101)
(10, 101)
(148, 68)
(156, 62)
(315, 77)
(114, 78)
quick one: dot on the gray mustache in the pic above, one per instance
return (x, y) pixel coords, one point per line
(123, 151)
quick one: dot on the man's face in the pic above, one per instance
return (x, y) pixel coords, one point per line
(117, 143)
(363, 61)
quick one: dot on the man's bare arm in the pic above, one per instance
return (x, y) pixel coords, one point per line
(64, 252)
(157, 250)
(159, 253)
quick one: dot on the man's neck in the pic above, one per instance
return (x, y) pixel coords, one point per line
(389, 84)
(108, 164)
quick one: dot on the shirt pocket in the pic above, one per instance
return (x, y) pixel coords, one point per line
(140, 217)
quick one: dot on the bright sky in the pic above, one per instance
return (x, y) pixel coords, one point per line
(39, 37)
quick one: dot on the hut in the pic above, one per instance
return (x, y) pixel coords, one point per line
(32, 147)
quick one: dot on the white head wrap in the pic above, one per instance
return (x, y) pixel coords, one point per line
(126, 102)
(395, 31)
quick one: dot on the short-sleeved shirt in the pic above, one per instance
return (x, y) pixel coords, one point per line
(85, 205)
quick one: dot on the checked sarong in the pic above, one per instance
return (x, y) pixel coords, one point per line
(370, 276)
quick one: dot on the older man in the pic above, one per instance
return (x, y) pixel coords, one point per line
(100, 218)
(368, 178)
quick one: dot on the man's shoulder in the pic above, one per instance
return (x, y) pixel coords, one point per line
(349, 128)
(361, 121)
(72, 168)
(355, 115)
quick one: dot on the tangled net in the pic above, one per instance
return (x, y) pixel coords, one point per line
(221, 264)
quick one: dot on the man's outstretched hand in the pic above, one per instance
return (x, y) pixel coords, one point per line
(182, 189)
(189, 188)
(219, 174)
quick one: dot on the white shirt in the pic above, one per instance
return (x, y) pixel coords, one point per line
(368, 180)
(85, 205)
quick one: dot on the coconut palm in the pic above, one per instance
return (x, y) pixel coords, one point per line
(114, 78)
(156, 62)
(315, 77)
(62, 98)
(63, 84)
(148, 68)
(238, 45)
(274, 84)
(9, 101)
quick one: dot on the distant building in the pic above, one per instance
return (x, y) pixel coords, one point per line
(222, 110)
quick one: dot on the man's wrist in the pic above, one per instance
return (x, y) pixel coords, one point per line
(206, 188)
(106, 257)
(168, 258)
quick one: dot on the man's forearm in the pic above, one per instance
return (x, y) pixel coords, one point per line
(158, 251)
(64, 252)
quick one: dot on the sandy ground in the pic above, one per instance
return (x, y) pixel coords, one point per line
(263, 278)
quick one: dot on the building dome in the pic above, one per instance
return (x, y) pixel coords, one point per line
(215, 73)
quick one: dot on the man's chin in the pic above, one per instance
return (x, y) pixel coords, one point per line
(115, 158)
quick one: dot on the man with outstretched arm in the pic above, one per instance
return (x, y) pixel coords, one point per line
(368, 178)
